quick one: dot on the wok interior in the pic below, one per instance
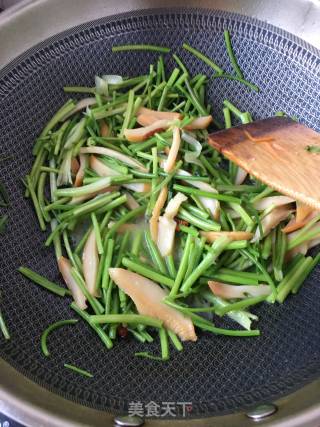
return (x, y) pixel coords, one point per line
(217, 374)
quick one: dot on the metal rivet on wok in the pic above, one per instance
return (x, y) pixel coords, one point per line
(262, 411)
(128, 421)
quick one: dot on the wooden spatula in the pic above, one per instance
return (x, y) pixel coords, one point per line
(279, 152)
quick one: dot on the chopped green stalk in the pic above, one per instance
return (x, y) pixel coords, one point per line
(97, 233)
(306, 273)
(208, 194)
(133, 319)
(181, 64)
(44, 282)
(203, 58)
(40, 196)
(148, 272)
(217, 247)
(252, 86)
(126, 218)
(138, 336)
(304, 234)
(82, 241)
(195, 100)
(266, 192)
(182, 268)
(164, 344)
(155, 254)
(95, 304)
(170, 266)
(227, 118)
(79, 89)
(293, 278)
(232, 278)
(203, 224)
(175, 340)
(206, 325)
(68, 248)
(240, 305)
(62, 112)
(78, 370)
(168, 178)
(231, 54)
(85, 190)
(51, 328)
(244, 215)
(109, 245)
(3, 327)
(114, 310)
(279, 252)
(188, 230)
(36, 204)
(97, 328)
(268, 279)
(147, 355)
(3, 223)
(136, 243)
(244, 318)
(130, 47)
(103, 201)
(266, 247)
(128, 113)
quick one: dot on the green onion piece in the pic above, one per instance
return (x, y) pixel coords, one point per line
(78, 370)
(51, 328)
(44, 282)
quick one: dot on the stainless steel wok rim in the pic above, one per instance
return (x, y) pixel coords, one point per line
(305, 409)
(308, 55)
